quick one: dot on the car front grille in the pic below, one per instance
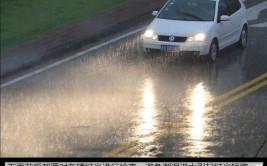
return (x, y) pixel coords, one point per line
(176, 38)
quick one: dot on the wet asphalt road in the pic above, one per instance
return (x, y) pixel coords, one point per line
(101, 101)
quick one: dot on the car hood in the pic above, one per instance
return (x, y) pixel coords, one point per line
(179, 28)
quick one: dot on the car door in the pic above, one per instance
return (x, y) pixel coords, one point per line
(236, 18)
(225, 28)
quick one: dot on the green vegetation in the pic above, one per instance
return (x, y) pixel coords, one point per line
(25, 20)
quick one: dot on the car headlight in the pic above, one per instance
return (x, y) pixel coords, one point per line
(197, 37)
(150, 34)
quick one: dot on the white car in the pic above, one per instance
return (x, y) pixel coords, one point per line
(198, 27)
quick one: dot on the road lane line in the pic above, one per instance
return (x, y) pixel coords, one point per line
(241, 95)
(143, 145)
(260, 25)
(254, 11)
(232, 99)
(164, 135)
(175, 120)
(125, 146)
(71, 57)
(158, 138)
(231, 92)
(121, 148)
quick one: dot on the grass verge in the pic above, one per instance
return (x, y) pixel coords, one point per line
(26, 20)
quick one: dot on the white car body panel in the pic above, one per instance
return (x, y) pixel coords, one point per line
(179, 28)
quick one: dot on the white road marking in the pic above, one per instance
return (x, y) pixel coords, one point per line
(253, 12)
(261, 25)
(71, 57)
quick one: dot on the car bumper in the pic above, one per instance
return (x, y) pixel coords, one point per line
(194, 47)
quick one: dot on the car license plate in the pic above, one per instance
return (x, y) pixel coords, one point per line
(169, 48)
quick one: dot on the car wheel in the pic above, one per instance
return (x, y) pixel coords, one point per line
(213, 52)
(242, 43)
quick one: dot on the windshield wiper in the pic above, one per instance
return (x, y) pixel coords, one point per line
(193, 16)
(174, 18)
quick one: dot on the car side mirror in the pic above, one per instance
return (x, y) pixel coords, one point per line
(224, 18)
(155, 13)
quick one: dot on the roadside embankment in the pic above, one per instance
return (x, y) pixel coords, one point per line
(76, 35)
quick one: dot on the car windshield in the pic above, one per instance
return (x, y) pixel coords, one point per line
(189, 10)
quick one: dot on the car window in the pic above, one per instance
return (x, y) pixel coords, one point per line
(189, 10)
(234, 6)
(223, 8)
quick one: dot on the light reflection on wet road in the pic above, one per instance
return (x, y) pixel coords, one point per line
(90, 106)
(147, 123)
(198, 121)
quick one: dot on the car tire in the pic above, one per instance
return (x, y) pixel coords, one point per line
(242, 43)
(213, 51)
